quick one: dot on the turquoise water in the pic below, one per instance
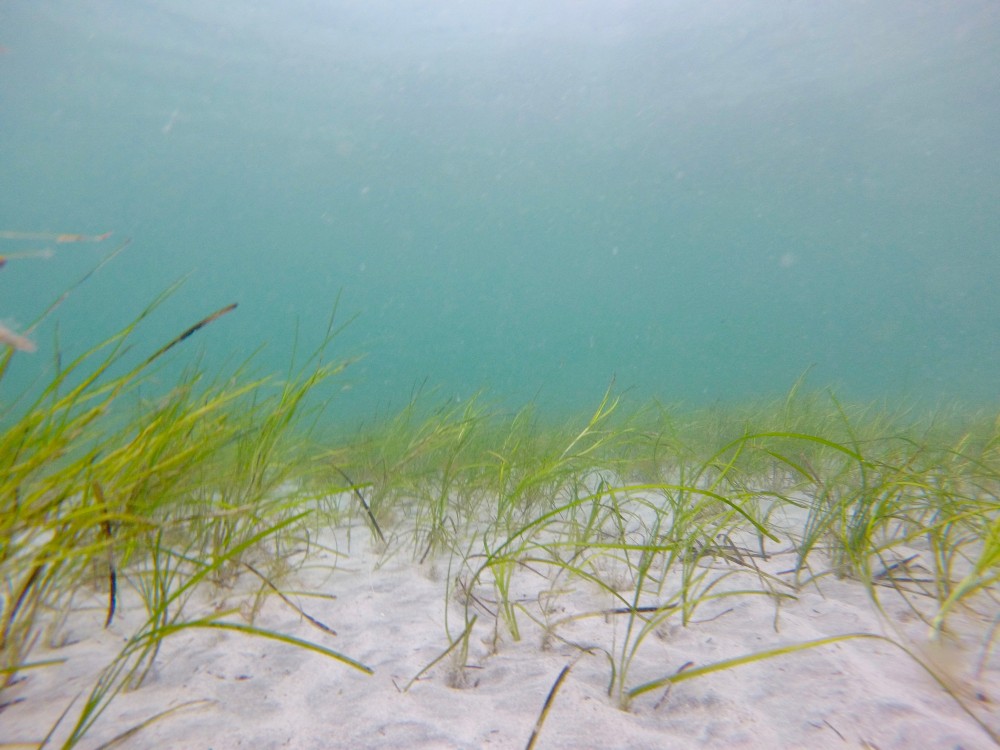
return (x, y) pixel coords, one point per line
(701, 200)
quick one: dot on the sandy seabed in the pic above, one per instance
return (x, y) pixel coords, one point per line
(394, 615)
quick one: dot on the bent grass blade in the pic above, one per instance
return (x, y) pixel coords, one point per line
(692, 673)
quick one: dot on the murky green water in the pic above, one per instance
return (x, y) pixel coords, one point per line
(698, 199)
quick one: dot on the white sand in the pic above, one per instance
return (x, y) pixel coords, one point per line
(390, 615)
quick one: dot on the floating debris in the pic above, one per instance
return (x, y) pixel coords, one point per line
(60, 237)
(15, 340)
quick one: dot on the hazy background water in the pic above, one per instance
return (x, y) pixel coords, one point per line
(701, 199)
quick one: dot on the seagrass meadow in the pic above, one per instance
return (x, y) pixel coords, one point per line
(529, 374)
(594, 542)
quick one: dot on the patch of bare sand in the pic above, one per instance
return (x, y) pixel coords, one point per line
(390, 614)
